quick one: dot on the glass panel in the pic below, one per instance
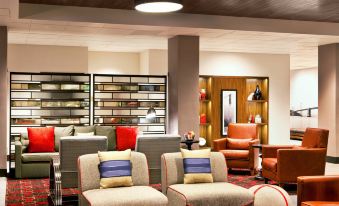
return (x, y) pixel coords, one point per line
(79, 112)
(63, 104)
(80, 78)
(157, 96)
(129, 104)
(41, 77)
(139, 79)
(121, 79)
(98, 120)
(25, 103)
(50, 121)
(110, 87)
(114, 120)
(121, 112)
(98, 87)
(61, 78)
(20, 95)
(112, 104)
(157, 80)
(103, 95)
(139, 96)
(84, 120)
(156, 88)
(19, 77)
(121, 96)
(70, 87)
(62, 112)
(70, 121)
(25, 121)
(153, 104)
(149, 121)
(50, 86)
(103, 79)
(98, 104)
(84, 87)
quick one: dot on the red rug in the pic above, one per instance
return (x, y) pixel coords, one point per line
(35, 191)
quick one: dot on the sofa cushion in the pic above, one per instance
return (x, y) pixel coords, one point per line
(216, 194)
(83, 129)
(61, 132)
(270, 164)
(115, 169)
(197, 166)
(126, 138)
(38, 157)
(236, 154)
(241, 144)
(109, 132)
(41, 139)
(129, 196)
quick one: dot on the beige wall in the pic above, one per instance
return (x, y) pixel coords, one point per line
(35, 58)
(113, 62)
(276, 67)
(154, 62)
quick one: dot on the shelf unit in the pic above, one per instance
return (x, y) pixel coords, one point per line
(123, 100)
(206, 108)
(47, 99)
(260, 107)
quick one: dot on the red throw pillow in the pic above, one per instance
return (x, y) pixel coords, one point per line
(126, 138)
(238, 144)
(41, 139)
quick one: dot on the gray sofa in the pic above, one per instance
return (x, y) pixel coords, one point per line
(37, 165)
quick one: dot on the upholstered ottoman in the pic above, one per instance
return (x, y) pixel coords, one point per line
(268, 195)
(208, 194)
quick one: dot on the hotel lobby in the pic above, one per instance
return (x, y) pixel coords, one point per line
(169, 102)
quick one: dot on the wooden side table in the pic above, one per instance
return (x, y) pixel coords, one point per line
(189, 143)
(259, 175)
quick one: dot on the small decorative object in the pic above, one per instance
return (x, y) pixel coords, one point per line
(202, 141)
(114, 120)
(257, 94)
(189, 135)
(229, 109)
(252, 119)
(249, 118)
(250, 97)
(203, 94)
(151, 113)
(257, 119)
(203, 119)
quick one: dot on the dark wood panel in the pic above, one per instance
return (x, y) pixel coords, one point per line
(307, 10)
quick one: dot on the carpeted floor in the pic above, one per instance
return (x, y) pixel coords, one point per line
(34, 191)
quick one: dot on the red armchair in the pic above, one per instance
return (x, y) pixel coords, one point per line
(284, 164)
(318, 190)
(237, 147)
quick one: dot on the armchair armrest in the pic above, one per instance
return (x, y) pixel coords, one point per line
(219, 144)
(318, 188)
(270, 151)
(19, 149)
(293, 163)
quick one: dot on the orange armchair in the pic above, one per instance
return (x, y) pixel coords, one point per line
(318, 190)
(284, 164)
(237, 147)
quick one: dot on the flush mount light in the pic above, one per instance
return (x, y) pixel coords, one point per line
(158, 6)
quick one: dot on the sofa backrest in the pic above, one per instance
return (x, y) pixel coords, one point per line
(153, 146)
(89, 176)
(172, 169)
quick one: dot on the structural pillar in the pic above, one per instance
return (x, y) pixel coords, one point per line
(183, 85)
(328, 98)
(3, 100)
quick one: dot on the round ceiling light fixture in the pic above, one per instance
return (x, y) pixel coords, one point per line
(158, 6)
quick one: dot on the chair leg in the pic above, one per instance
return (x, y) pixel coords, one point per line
(253, 172)
(266, 180)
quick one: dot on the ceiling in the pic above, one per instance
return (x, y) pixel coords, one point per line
(305, 10)
(303, 48)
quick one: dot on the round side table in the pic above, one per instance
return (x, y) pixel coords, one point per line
(259, 175)
(189, 143)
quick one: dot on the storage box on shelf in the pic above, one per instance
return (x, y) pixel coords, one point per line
(123, 100)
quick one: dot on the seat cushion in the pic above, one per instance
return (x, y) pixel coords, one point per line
(319, 203)
(216, 194)
(126, 196)
(38, 157)
(236, 154)
(270, 164)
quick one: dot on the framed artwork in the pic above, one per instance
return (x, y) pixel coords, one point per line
(228, 109)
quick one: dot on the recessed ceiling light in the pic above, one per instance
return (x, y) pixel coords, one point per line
(158, 6)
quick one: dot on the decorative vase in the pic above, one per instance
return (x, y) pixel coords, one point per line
(257, 94)
(203, 119)
(203, 94)
(257, 119)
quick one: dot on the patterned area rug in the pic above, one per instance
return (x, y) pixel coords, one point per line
(28, 192)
